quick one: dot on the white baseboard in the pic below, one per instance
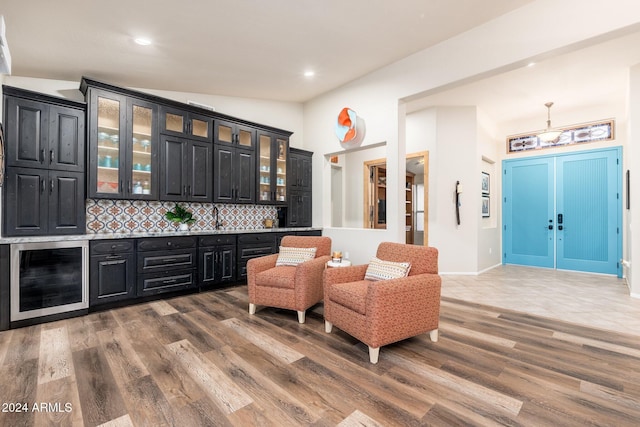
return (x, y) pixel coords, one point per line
(467, 273)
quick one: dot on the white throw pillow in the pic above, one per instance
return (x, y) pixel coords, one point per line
(294, 256)
(384, 270)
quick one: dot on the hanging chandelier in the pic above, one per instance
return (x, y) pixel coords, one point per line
(549, 135)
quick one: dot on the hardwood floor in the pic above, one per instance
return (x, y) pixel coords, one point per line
(202, 360)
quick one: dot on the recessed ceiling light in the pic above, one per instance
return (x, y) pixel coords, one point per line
(142, 41)
(309, 73)
(531, 64)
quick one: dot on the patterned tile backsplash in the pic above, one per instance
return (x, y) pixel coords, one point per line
(132, 216)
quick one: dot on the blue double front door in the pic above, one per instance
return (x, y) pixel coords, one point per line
(564, 211)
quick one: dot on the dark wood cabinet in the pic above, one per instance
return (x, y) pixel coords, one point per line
(123, 146)
(300, 209)
(234, 175)
(178, 122)
(186, 172)
(216, 260)
(43, 135)
(273, 151)
(231, 133)
(112, 271)
(300, 169)
(166, 264)
(300, 189)
(43, 202)
(44, 184)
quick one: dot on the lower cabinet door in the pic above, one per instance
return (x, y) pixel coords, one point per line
(207, 266)
(66, 203)
(26, 202)
(227, 263)
(168, 281)
(217, 265)
(112, 278)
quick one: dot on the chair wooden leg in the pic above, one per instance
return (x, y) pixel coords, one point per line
(328, 326)
(252, 308)
(433, 335)
(301, 316)
(373, 354)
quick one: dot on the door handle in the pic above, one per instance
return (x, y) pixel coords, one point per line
(51, 186)
(560, 218)
(52, 155)
(550, 227)
(42, 156)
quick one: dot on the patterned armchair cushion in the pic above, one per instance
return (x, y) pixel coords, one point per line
(277, 277)
(352, 295)
(294, 256)
(385, 270)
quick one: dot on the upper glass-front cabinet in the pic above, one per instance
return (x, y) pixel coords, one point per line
(234, 133)
(123, 143)
(272, 168)
(108, 180)
(185, 123)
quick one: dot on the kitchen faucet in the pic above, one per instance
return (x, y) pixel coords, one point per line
(216, 216)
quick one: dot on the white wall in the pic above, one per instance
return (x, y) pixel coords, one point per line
(378, 98)
(633, 164)
(456, 160)
(489, 234)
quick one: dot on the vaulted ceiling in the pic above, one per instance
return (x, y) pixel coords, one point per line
(242, 48)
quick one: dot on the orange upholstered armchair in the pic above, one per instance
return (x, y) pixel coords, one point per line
(294, 287)
(385, 311)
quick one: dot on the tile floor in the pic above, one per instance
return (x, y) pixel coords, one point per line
(597, 301)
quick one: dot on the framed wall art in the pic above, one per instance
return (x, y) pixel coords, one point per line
(486, 184)
(485, 206)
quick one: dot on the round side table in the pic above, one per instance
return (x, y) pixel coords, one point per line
(344, 263)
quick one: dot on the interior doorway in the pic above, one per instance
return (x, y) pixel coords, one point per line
(415, 197)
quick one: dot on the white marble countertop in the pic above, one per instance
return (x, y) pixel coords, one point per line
(106, 236)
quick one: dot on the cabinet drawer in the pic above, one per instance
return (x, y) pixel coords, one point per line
(215, 240)
(164, 243)
(111, 246)
(269, 238)
(247, 252)
(150, 284)
(165, 260)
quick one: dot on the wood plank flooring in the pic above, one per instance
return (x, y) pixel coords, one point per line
(202, 360)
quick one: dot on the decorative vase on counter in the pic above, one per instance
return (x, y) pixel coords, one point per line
(183, 226)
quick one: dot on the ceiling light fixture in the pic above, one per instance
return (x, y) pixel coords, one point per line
(309, 73)
(142, 41)
(549, 134)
